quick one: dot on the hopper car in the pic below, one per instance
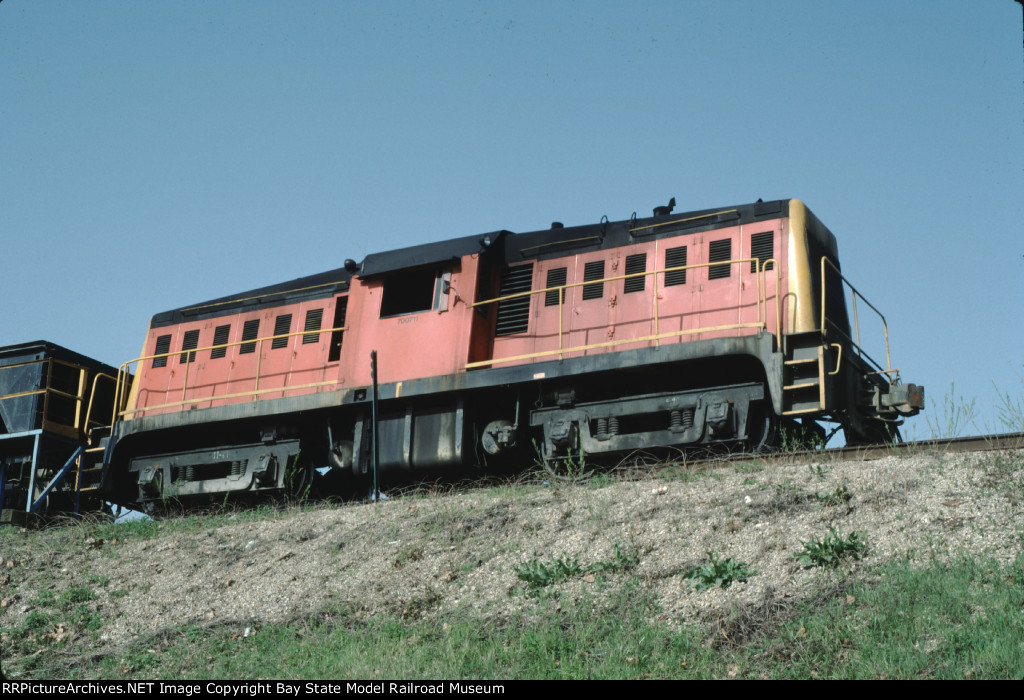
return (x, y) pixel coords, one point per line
(51, 399)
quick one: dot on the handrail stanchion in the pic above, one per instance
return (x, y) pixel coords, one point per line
(375, 433)
(854, 295)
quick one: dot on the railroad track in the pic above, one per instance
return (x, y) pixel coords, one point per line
(979, 443)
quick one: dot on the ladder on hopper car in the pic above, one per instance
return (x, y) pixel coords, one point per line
(47, 461)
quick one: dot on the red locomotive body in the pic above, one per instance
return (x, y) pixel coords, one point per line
(713, 326)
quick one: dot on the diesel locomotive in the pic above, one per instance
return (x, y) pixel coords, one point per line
(731, 326)
(721, 326)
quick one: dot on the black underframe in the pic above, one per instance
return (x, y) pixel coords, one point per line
(233, 424)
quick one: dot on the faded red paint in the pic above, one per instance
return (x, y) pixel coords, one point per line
(617, 316)
(232, 378)
(441, 340)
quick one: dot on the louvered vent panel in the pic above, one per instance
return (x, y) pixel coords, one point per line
(250, 331)
(675, 257)
(514, 314)
(593, 271)
(556, 277)
(314, 321)
(282, 325)
(220, 337)
(163, 344)
(634, 264)
(762, 247)
(189, 342)
(717, 252)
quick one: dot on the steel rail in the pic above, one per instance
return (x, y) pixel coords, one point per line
(977, 443)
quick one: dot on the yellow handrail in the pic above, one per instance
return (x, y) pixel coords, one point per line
(121, 397)
(92, 395)
(121, 389)
(47, 389)
(762, 309)
(825, 322)
(221, 397)
(683, 221)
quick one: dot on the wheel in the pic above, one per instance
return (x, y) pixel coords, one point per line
(762, 429)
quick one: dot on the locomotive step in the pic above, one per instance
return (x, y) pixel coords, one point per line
(803, 385)
(801, 411)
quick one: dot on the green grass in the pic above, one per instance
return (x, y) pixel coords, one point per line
(554, 640)
(958, 620)
(907, 619)
(954, 620)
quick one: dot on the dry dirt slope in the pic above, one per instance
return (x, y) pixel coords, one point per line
(431, 555)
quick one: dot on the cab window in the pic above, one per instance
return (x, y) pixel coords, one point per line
(410, 292)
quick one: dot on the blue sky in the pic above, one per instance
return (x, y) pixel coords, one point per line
(153, 155)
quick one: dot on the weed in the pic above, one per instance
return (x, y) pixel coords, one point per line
(720, 572)
(1010, 411)
(511, 490)
(537, 574)
(786, 488)
(682, 472)
(81, 617)
(98, 579)
(800, 438)
(830, 550)
(139, 661)
(408, 553)
(37, 621)
(47, 598)
(751, 467)
(621, 561)
(298, 479)
(571, 468)
(70, 598)
(838, 497)
(953, 417)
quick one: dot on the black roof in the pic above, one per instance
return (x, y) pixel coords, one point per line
(557, 242)
(324, 284)
(42, 349)
(428, 253)
(514, 247)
